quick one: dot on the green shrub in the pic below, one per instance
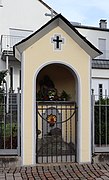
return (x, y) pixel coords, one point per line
(101, 114)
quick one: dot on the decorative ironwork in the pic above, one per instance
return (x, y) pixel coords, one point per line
(57, 111)
(57, 124)
(51, 119)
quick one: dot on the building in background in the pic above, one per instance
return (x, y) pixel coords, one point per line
(98, 36)
(18, 20)
(25, 18)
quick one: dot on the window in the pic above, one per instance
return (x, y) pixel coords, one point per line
(1, 5)
(100, 90)
(11, 78)
(102, 47)
(20, 79)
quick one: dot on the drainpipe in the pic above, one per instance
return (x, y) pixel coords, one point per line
(7, 83)
(7, 62)
(92, 125)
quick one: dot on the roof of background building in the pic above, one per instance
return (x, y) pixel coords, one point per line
(100, 64)
(89, 27)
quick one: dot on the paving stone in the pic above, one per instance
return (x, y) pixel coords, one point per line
(107, 174)
(2, 177)
(57, 172)
(18, 178)
(105, 177)
(10, 178)
(17, 174)
(9, 174)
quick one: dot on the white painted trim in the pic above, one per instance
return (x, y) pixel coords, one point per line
(7, 62)
(79, 123)
(79, 102)
(90, 118)
(22, 108)
(34, 122)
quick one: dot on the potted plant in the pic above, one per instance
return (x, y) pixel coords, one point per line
(64, 96)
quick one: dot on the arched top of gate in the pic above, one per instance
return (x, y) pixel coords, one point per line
(74, 92)
(66, 65)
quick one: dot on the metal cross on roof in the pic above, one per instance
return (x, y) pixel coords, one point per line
(1, 3)
(58, 41)
(51, 14)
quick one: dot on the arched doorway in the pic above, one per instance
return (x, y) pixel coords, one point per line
(56, 119)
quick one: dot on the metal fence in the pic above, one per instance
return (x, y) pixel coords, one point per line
(8, 41)
(10, 123)
(100, 123)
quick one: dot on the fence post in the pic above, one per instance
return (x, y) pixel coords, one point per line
(18, 121)
(92, 121)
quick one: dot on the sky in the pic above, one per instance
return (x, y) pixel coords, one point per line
(86, 12)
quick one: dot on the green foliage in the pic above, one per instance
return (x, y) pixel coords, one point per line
(5, 131)
(64, 96)
(2, 79)
(49, 92)
(102, 101)
(2, 76)
(8, 127)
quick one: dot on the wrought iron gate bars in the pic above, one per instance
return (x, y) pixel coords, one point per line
(67, 119)
(58, 106)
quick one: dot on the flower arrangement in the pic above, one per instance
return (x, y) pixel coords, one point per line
(52, 93)
(64, 96)
(51, 119)
(48, 91)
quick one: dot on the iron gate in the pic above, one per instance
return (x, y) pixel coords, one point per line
(56, 132)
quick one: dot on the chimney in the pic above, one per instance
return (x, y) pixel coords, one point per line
(103, 24)
(1, 3)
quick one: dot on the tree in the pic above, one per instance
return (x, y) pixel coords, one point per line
(2, 79)
(2, 76)
(101, 114)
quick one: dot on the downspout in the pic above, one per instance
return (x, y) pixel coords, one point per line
(7, 80)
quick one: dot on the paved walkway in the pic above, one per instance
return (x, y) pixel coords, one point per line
(57, 172)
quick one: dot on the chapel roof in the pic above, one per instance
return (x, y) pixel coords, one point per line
(63, 23)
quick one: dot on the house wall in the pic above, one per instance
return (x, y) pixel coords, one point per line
(22, 15)
(105, 86)
(19, 18)
(34, 59)
(99, 76)
(16, 65)
(94, 35)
